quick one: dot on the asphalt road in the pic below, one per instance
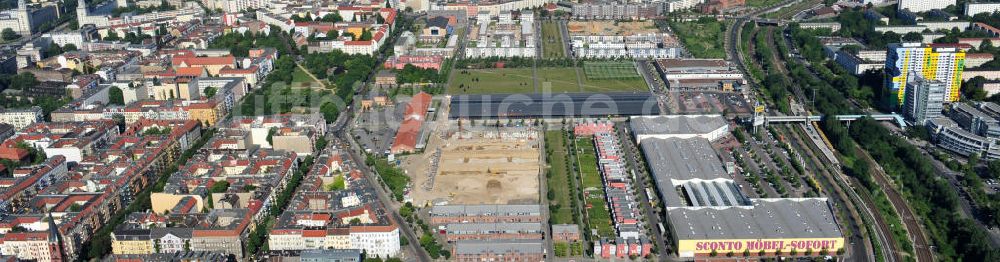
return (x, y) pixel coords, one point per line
(642, 179)
(391, 207)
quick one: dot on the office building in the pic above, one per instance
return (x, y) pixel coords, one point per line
(924, 99)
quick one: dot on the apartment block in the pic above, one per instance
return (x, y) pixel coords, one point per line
(904, 61)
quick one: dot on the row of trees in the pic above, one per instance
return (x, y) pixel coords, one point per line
(932, 198)
(240, 44)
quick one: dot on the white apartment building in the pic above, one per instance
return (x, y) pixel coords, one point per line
(924, 5)
(32, 246)
(679, 5)
(382, 241)
(21, 118)
(235, 6)
(972, 9)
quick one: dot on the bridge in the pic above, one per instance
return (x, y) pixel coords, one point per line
(766, 21)
(765, 120)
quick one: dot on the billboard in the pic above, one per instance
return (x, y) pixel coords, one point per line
(690, 248)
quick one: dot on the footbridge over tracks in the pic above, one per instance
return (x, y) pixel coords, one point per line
(765, 120)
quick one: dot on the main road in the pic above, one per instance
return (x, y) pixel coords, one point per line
(641, 180)
(340, 131)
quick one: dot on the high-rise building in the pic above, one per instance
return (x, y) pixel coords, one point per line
(924, 99)
(905, 60)
(924, 5)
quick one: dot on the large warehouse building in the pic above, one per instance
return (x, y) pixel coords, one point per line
(706, 210)
(710, 127)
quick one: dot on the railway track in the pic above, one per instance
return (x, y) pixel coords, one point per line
(831, 182)
(912, 226)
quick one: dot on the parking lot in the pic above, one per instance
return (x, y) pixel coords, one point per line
(375, 129)
(707, 102)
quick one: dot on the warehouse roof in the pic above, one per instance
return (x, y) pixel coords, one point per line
(521, 246)
(676, 124)
(682, 159)
(552, 105)
(494, 227)
(685, 64)
(768, 218)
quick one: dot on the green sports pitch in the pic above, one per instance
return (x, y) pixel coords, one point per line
(609, 70)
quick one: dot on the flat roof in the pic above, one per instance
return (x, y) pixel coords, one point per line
(688, 63)
(517, 246)
(676, 124)
(494, 227)
(975, 112)
(553, 105)
(683, 159)
(767, 218)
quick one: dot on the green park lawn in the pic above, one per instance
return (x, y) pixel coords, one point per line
(558, 179)
(492, 81)
(552, 42)
(598, 214)
(562, 80)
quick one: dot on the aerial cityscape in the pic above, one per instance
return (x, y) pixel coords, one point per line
(499, 130)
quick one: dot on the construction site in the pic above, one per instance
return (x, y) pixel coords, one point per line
(477, 165)
(611, 28)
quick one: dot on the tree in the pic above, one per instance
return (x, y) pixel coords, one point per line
(53, 50)
(338, 184)
(219, 187)
(9, 34)
(69, 47)
(270, 135)
(913, 37)
(332, 34)
(112, 36)
(366, 35)
(330, 112)
(355, 221)
(210, 91)
(332, 17)
(116, 96)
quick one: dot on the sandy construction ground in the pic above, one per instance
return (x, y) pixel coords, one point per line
(611, 28)
(475, 171)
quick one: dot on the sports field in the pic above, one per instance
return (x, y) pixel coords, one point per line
(611, 76)
(610, 70)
